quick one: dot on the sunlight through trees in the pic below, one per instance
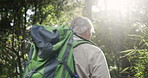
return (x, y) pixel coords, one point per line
(121, 31)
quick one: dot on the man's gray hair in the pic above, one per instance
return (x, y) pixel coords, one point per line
(81, 24)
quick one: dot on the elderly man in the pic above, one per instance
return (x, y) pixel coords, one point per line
(90, 61)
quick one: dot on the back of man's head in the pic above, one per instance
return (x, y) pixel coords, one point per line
(81, 24)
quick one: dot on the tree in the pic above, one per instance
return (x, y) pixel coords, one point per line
(16, 16)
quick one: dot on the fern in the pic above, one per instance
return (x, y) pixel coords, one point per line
(138, 58)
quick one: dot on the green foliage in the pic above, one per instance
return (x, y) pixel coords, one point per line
(112, 33)
(112, 29)
(138, 59)
(16, 17)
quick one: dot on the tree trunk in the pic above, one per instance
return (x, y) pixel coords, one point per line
(88, 9)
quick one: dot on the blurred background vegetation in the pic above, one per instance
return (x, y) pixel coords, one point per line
(121, 31)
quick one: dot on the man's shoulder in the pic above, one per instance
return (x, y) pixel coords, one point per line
(88, 47)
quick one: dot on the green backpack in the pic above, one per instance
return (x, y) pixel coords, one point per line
(50, 54)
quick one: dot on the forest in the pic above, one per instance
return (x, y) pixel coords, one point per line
(121, 31)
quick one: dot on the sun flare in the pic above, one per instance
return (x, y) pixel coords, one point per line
(116, 4)
(111, 5)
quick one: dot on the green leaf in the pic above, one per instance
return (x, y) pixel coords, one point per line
(128, 54)
(134, 35)
(126, 51)
(146, 44)
(20, 37)
(125, 69)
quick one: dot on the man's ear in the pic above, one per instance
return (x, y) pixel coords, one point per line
(86, 34)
